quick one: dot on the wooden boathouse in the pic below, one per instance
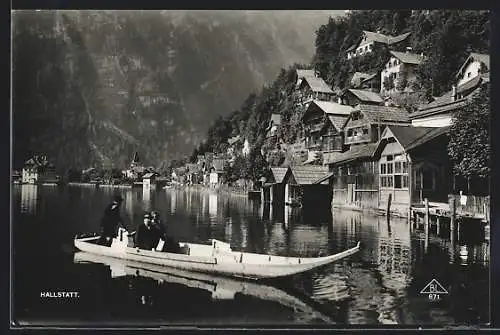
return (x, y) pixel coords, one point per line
(273, 190)
(301, 185)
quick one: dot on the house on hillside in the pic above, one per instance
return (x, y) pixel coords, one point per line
(413, 165)
(274, 188)
(369, 39)
(366, 123)
(217, 172)
(272, 127)
(354, 97)
(38, 169)
(194, 174)
(473, 75)
(301, 74)
(301, 187)
(314, 88)
(365, 81)
(399, 71)
(323, 122)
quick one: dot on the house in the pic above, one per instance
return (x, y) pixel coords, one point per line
(354, 178)
(323, 122)
(474, 66)
(439, 113)
(216, 172)
(314, 88)
(301, 187)
(366, 123)
(368, 40)
(193, 173)
(399, 71)
(148, 179)
(365, 81)
(413, 165)
(274, 188)
(354, 97)
(38, 170)
(272, 127)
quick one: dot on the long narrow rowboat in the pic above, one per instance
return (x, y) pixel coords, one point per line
(217, 258)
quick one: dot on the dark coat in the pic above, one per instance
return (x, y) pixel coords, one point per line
(110, 220)
(146, 238)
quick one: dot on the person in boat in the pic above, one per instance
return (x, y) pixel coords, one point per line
(145, 234)
(110, 221)
(170, 245)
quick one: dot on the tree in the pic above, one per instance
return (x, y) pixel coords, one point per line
(469, 146)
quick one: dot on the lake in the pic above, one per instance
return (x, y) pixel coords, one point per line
(380, 285)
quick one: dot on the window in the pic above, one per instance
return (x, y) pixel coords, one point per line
(468, 74)
(394, 172)
(349, 133)
(365, 131)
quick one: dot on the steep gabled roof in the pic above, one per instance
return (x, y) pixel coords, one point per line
(412, 137)
(308, 174)
(279, 174)
(366, 96)
(408, 57)
(384, 114)
(483, 58)
(380, 38)
(399, 38)
(318, 85)
(337, 113)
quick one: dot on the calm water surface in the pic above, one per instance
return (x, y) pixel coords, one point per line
(379, 285)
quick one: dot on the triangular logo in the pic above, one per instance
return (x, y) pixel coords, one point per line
(434, 287)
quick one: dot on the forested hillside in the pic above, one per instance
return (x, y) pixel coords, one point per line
(445, 37)
(92, 87)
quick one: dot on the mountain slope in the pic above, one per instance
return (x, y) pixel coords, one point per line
(91, 87)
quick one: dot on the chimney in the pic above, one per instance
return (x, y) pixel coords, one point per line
(453, 93)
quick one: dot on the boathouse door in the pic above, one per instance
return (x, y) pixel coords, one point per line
(425, 183)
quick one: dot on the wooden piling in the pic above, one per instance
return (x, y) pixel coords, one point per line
(389, 200)
(451, 200)
(438, 224)
(426, 218)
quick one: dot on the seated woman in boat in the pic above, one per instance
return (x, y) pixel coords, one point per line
(145, 234)
(170, 244)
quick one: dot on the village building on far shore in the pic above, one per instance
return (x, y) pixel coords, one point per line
(136, 169)
(216, 176)
(38, 169)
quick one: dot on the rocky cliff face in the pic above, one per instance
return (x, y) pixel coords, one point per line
(92, 87)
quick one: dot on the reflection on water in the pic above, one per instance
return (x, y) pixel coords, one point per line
(379, 285)
(29, 198)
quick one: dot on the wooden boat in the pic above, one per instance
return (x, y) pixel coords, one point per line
(221, 288)
(217, 258)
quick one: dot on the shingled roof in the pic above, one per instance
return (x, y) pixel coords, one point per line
(408, 57)
(308, 174)
(384, 114)
(337, 113)
(413, 137)
(380, 38)
(318, 85)
(278, 174)
(366, 96)
(305, 73)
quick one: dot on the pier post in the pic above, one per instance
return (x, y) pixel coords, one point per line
(262, 197)
(438, 225)
(271, 193)
(451, 200)
(426, 222)
(389, 200)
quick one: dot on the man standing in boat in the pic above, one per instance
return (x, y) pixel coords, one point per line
(145, 234)
(110, 221)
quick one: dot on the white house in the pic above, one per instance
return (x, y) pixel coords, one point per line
(473, 74)
(399, 70)
(38, 169)
(366, 43)
(474, 65)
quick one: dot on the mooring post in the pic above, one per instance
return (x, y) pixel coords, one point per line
(426, 219)
(389, 200)
(451, 200)
(262, 198)
(438, 224)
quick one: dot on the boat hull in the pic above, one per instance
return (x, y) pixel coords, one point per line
(217, 258)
